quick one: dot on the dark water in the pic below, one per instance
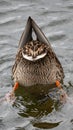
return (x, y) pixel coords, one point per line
(55, 17)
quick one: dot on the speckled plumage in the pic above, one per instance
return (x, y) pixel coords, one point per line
(45, 70)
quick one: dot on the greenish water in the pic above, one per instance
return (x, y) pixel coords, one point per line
(34, 111)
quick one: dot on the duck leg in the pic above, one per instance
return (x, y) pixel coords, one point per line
(63, 96)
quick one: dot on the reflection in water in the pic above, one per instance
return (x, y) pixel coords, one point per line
(46, 125)
(36, 106)
(44, 109)
(30, 105)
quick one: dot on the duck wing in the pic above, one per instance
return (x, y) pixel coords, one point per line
(27, 34)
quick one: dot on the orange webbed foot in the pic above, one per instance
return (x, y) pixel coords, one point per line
(63, 96)
(15, 86)
(58, 84)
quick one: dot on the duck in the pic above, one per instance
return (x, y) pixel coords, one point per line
(35, 61)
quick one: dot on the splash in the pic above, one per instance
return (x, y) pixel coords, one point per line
(10, 96)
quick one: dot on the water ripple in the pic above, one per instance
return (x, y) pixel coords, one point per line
(56, 20)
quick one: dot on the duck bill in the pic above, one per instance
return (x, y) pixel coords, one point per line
(27, 34)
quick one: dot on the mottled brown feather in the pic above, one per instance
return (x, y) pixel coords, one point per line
(43, 71)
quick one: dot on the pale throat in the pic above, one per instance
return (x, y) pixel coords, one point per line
(31, 58)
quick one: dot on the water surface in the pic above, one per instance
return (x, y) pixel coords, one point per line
(55, 17)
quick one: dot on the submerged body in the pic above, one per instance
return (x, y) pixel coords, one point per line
(36, 62)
